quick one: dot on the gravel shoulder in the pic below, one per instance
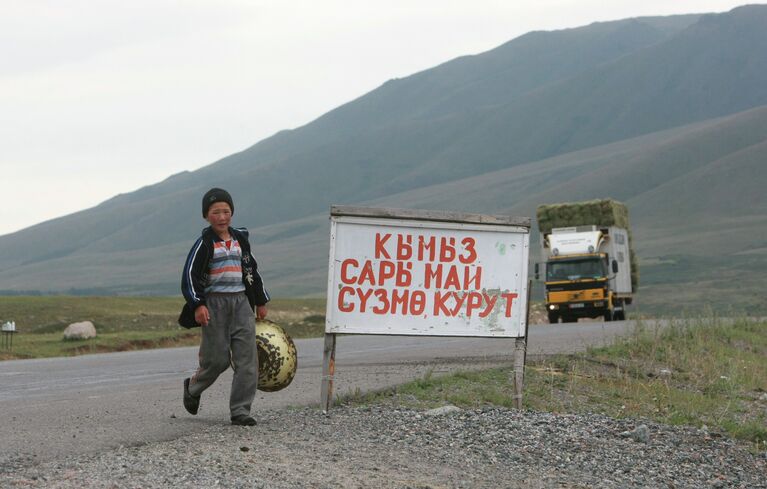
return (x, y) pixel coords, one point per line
(387, 447)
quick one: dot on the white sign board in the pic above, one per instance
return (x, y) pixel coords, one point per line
(415, 276)
(575, 242)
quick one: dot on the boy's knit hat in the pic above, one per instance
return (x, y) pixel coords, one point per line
(216, 195)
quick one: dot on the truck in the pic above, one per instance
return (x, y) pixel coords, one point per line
(589, 264)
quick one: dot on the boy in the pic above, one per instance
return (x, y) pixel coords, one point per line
(222, 286)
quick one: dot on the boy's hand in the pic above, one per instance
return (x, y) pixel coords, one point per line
(261, 312)
(201, 315)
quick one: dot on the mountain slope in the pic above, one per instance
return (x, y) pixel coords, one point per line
(622, 109)
(684, 188)
(369, 141)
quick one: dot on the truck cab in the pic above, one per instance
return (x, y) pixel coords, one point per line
(587, 273)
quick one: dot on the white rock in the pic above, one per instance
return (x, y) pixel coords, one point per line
(442, 410)
(641, 434)
(80, 331)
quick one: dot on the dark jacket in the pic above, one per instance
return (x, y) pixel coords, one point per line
(195, 276)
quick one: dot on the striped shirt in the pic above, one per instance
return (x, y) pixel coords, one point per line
(225, 268)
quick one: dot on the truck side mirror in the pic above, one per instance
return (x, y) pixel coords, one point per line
(536, 272)
(615, 266)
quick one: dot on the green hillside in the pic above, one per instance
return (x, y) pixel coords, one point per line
(692, 248)
(665, 114)
(373, 142)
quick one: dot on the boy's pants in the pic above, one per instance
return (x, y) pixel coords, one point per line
(231, 329)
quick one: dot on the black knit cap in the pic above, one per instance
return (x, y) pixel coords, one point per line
(216, 195)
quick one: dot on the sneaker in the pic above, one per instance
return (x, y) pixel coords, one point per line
(243, 420)
(191, 403)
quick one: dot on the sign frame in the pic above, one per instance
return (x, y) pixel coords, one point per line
(435, 222)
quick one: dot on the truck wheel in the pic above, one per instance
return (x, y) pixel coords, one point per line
(608, 316)
(553, 318)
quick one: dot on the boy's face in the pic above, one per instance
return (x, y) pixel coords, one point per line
(219, 217)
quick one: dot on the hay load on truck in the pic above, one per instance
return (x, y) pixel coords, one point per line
(590, 268)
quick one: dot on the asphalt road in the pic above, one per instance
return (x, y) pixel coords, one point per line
(56, 407)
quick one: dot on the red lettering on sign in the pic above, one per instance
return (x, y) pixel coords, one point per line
(430, 246)
(395, 301)
(364, 295)
(417, 302)
(383, 284)
(399, 300)
(380, 246)
(434, 274)
(471, 256)
(474, 302)
(470, 282)
(440, 304)
(451, 281)
(385, 271)
(404, 246)
(447, 249)
(345, 278)
(342, 305)
(459, 300)
(383, 300)
(433, 277)
(509, 296)
(404, 275)
(490, 301)
(367, 274)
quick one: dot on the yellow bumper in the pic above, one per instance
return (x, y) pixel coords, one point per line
(576, 296)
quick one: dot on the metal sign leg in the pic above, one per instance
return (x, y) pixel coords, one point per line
(519, 371)
(328, 370)
(520, 355)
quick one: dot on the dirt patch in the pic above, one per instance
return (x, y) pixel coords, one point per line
(6, 355)
(538, 313)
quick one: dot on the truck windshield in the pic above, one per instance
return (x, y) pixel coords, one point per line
(575, 269)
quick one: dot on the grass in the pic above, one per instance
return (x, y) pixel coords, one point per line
(126, 323)
(50, 314)
(673, 286)
(695, 372)
(43, 345)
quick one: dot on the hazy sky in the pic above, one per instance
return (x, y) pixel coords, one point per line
(103, 97)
